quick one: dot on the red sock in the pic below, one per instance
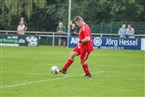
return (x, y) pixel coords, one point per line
(68, 63)
(85, 66)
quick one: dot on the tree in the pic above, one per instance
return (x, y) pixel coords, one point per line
(48, 13)
(18, 7)
(97, 11)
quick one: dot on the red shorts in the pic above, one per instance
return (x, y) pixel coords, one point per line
(83, 53)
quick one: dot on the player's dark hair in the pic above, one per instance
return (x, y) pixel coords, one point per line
(78, 18)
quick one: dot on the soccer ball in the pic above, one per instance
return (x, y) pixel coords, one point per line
(54, 70)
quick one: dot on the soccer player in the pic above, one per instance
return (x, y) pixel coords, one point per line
(83, 48)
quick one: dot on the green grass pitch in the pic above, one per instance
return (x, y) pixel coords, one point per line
(25, 72)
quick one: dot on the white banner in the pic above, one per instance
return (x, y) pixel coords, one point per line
(143, 44)
(8, 44)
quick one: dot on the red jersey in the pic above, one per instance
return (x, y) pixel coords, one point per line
(86, 32)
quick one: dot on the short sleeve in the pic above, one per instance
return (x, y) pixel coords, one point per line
(64, 28)
(86, 31)
(133, 31)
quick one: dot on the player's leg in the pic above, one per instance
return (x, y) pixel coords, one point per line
(83, 58)
(69, 62)
(75, 52)
(86, 69)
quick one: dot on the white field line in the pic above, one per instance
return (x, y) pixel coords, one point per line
(40, 81)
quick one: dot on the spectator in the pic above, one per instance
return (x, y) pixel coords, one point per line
(130, 32)
(25, 23)
(73, 29)
(61, 29)
(21, 28)
(122, 31)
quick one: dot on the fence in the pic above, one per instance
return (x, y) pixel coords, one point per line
(50, 38)
(113, 27)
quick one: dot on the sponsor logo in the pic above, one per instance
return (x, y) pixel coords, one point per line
(121, 42)
(74, 40)
(32, 40)
(97, 41)
(21, 40)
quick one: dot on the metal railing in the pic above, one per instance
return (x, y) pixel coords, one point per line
(113, 27)
(55, 35)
